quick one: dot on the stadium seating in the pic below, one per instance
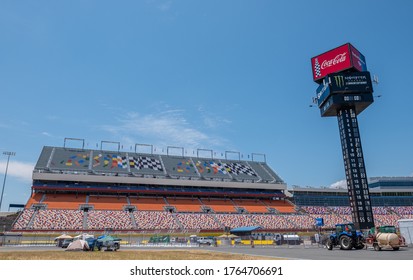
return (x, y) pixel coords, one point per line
(107, 202)
(300, 221)
(275, 222)
(73, 160)
(235, 220)
(220, 205)
(155, 220)
(64, 201)
(145, 164)
(386, 219)
(149, 204)
(83, 189)
(185, 204)
(270, 171)
(70, 219)
(35, 198)
(240, 170)
(116, 163)
(251, 205)
(178, 167)
(405, 212)
(58, 220)
(101, 220)
(23, 220)
(211, 169)
(263, 172)
(281, 206)
(198, 221)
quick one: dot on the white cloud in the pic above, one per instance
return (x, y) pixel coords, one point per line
(165, 6)
(166, 128)
(161, 5)
(339, 185)
(212, 120)
(20, 170)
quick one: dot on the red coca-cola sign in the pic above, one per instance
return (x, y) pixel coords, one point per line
(339, 59)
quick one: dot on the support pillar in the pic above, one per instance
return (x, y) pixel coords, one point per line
(357, 185)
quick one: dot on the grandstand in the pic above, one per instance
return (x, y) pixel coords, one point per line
(391, 198)
(384, 191)
(95, 190)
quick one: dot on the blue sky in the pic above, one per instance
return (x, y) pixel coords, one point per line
(220, 75)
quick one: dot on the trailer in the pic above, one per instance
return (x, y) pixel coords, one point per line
(406, 230)
(384, 237)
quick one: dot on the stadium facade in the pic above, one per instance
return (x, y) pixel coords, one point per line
(384, 191)
(83, 190)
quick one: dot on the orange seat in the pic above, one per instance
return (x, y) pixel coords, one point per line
(35, 198)
(252, 206)
(185, 204)
(148, 204)
(281, 205)
(64, 201)
(220, 205)
(108, 202)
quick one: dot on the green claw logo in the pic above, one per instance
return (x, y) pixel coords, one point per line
(339, 81)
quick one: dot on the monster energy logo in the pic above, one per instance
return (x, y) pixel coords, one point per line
(339, 81)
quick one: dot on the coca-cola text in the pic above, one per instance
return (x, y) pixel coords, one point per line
(338, 59)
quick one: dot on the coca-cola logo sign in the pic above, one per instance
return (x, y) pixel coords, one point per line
(336, 60)
(342, 58)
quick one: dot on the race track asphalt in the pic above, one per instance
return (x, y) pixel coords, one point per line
(291, 252)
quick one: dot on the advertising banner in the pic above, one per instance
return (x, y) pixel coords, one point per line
(336, 60)
(323, 91)
(358, 60)
(351, 83)
(344, 83)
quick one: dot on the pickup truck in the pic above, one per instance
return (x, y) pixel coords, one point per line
(205, 241)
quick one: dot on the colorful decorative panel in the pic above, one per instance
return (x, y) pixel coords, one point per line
(77, 160)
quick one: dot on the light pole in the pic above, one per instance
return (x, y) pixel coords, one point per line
(8, 154)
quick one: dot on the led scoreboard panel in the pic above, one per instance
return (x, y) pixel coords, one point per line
(335, 102)
(339, 89)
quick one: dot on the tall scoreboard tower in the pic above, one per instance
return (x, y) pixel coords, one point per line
(345, 90)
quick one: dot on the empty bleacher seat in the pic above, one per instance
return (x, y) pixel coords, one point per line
(107, 202)
(64, 201)
(148, 203)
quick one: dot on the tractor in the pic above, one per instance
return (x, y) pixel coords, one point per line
(347, 237)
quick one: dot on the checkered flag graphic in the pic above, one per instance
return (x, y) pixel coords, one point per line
(120, 162)
(146, 162)
(218, 167)
(238, 168)
(124, 163)
(317, 68)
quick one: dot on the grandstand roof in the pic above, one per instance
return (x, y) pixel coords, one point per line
(245, 229)
(376, 185)
(391, 183)
(114, 167)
